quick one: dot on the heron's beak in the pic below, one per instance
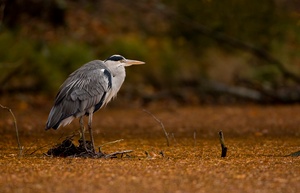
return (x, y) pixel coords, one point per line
(133, 62)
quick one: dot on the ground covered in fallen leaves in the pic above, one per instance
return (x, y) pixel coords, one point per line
(258, 138)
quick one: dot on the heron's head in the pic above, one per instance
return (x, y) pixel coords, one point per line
(121, 61)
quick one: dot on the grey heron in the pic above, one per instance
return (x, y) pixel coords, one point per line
(87, 90)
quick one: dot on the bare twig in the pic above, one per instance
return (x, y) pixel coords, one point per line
(224, 148)
(108, 143)
(16, 127)
(113, 155)
(161, 124)
(111, 142)
(37, 149)
(173, 136)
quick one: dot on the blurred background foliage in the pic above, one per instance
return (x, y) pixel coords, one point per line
(189, 48)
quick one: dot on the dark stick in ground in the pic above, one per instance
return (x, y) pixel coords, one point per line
(224, 148)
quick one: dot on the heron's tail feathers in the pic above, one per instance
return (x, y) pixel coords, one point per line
(57, 118)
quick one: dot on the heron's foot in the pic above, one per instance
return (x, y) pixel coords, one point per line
(85, 146)
(67, 148)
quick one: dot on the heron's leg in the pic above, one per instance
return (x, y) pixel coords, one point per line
(82, 132)
(90, 131)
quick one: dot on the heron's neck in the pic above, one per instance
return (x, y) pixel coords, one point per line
(118, 73)
(118, 76)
